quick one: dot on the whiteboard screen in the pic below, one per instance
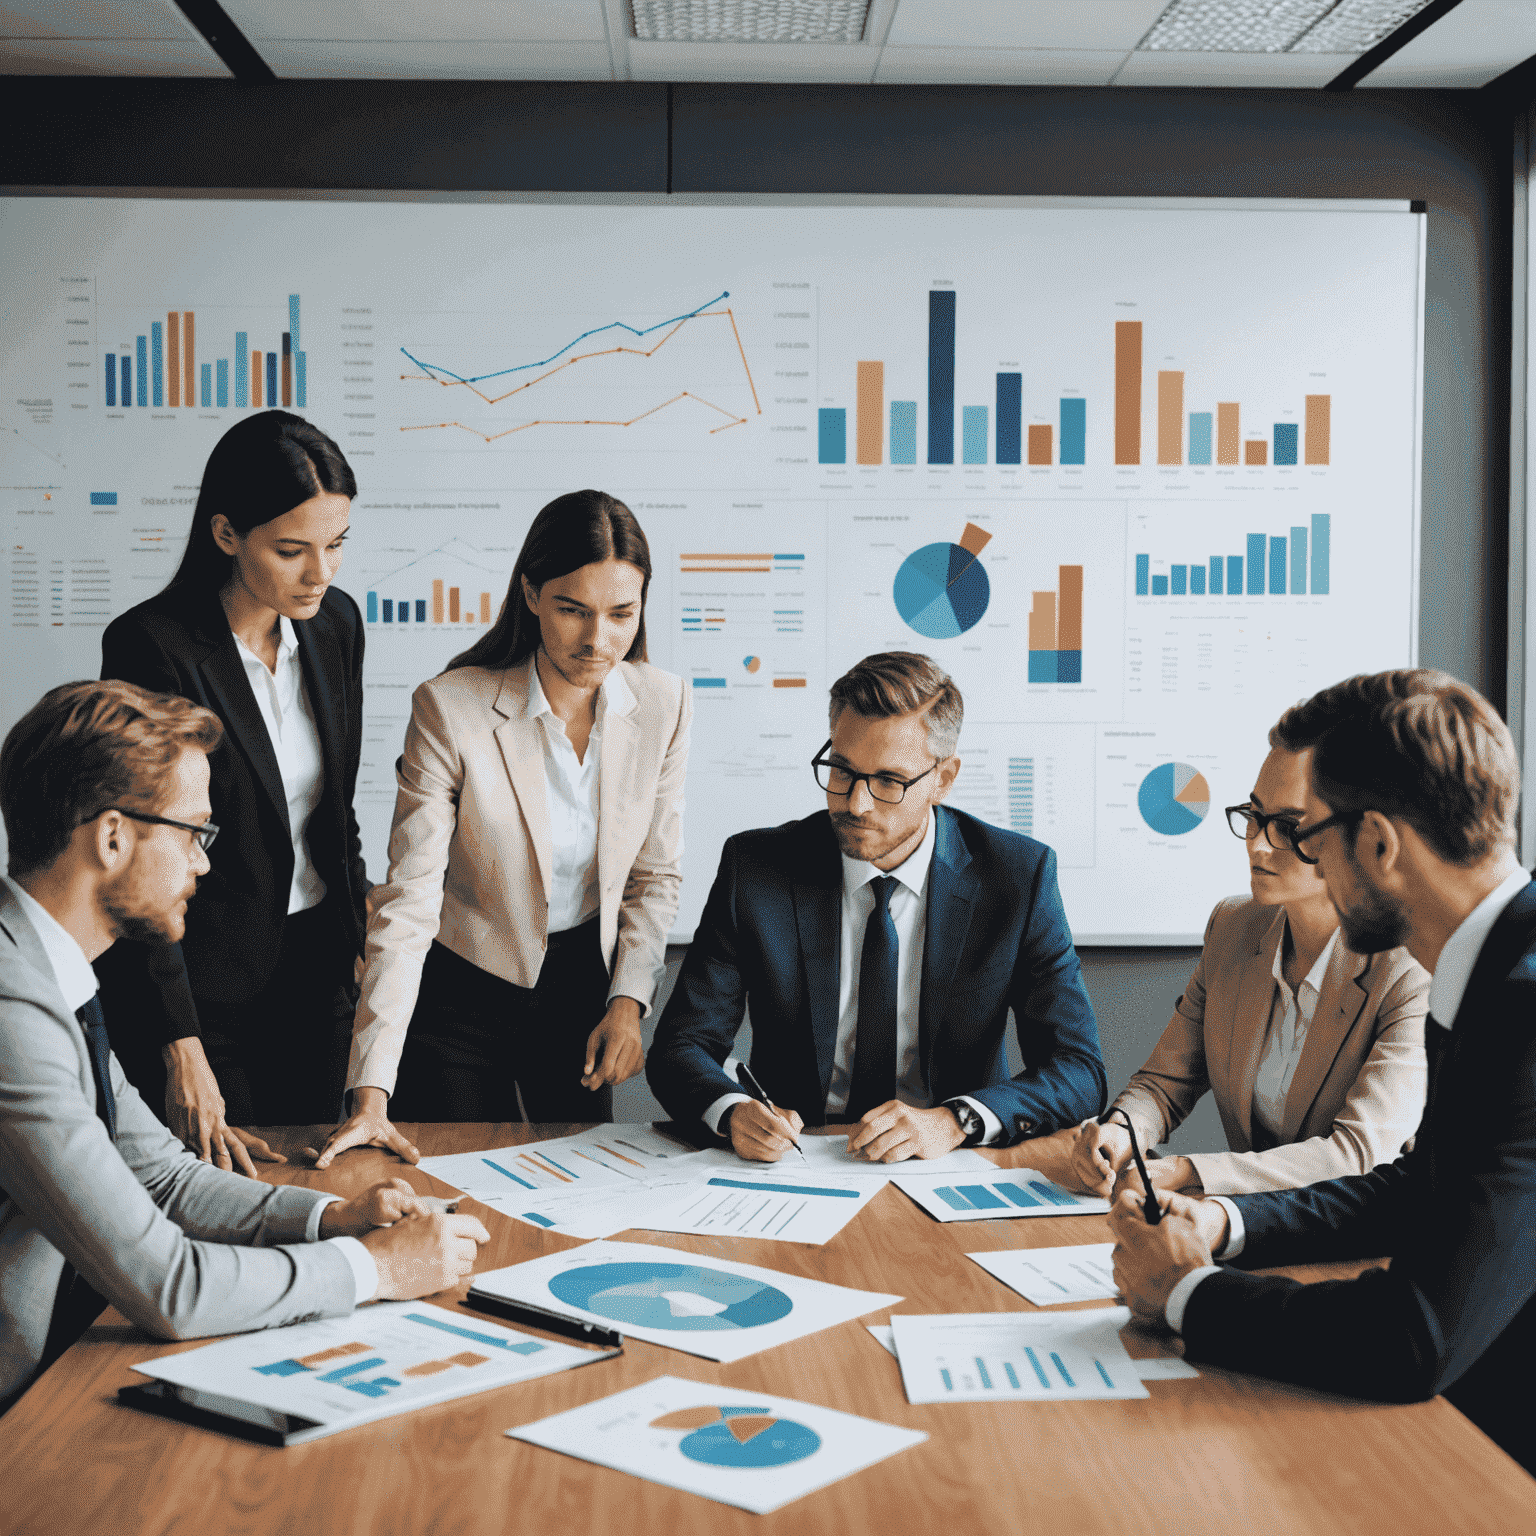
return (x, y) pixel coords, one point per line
(1138, 476)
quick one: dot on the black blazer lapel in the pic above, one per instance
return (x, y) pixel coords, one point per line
(320, 660)
(952, 890)
(818, 898)
(224, 676)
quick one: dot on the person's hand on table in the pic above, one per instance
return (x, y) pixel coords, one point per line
(1149, 1261)
(760, 1134)
(614, 1052)
(194, 1110)
(1099, 1152)
(368, 1127)
(893, 1132)
(380, 1205)
(1176, 1173)
(423, 1254)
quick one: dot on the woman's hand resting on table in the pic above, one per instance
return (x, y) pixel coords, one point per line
(368, 1126)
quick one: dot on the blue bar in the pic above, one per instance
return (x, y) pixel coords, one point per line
(1178, 579)
(507, 1173)
(1256, 543)
(300, 384)
(127, 380)
(1197, 580)
(1159, 586)
(534, 1216)
(941, 376)
(831, 435)
(949, 1385)
(1056, 1195)
(1098, 1366)
(981, 1197)
(403, 611)
(103, 498)
(1045, 1381)
(1277, 567)
(1298, 560)
(903, 431)
(787, 1189)
(1199, 437)
(378, 1387)
(1042, 667)
(953, 1197)
(1069, 666)
(1065, 1375)
(205, 371)
(1074, 431)
(981, 1370)
(141, 356)
(373, 607)
(111, 378)
(709, 682)
(421, 610)
(343, 1371)
(544, 1157)
(271, 379)
(973, 430)
(1320, 554)
(293, 319)
(242, 370)
(1234, 575)
(1218, 570)
(528, 1347)
(1010, 417)
(1013, 1375)
(221, 383)
(389, 611)
(281, 1368)
(1019, 1196)
(1143, 573)
(157, 358)
(1285, 442)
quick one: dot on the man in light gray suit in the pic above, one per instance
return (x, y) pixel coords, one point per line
(104, 790)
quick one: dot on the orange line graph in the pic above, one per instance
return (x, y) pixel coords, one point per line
(732, 419)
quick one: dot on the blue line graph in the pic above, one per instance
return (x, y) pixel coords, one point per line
(620, 325)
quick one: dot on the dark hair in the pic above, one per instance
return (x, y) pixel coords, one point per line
(893, 683)
(84, 747)
(577, 529)
(261, 468)
(1415, 744)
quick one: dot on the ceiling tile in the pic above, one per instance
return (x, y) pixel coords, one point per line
(508, 21)
(1072, 24)
(101, 18)
(1466, 48)
(110, 56)
(1298, 71)
(997, 66)
(308, 59)
(809, 62)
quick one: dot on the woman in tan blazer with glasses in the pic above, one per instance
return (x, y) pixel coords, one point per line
(1315, 1055)
(534, 859)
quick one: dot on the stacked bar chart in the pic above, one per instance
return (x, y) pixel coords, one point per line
(1271, 565)
(1056, 630)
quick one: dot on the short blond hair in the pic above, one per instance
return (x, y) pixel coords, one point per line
(892, 683)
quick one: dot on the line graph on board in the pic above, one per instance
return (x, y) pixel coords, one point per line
(483, 386)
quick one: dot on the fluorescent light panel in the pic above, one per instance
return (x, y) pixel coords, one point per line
(1276, 26)
(750, 21)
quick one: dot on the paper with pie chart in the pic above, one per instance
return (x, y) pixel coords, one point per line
(751, 1449)
(712, 1307)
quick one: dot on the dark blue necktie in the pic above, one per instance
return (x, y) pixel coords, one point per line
(94, 1022)
(874, 1051)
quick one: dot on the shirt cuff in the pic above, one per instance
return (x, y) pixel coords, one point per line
(992, 1127)
(1178, 1297)
(711, 1116)
(1237, 1235)
(365, 1273)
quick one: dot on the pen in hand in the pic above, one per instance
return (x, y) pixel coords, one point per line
(754, 1089)
(1149, 1206)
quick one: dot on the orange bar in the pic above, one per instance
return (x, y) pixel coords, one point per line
(1226, 433)
(789, 682)
(437, 602)
(287, 380)
(974, 539)
(1256, 452)
(1170, 423)
(187, 362)
(256, 377)
(173, 357)
(1040, 444)
(1069, 624)
(1042, 622)
(1319, 414)
(485, 607)
(871, 417)
(453, 605)
(1127, 391)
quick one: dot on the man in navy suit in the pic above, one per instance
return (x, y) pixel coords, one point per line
(1411, 816)
(879, 946)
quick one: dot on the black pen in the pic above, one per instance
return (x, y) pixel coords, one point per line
(1149, 1206)
(755, 1090)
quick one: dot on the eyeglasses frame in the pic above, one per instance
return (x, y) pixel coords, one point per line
(842, 794)
(202, 835)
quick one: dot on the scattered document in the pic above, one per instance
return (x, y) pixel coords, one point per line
(716, 1308)
(1050, 1276)
(777, 1204)
(384, 1360)
(1153, 1368)
(752, 1450)
(1018, 1192)
(585, 1212)
(883, 1335)
(988, 1357)
(830, 1155)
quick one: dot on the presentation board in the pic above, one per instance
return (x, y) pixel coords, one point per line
(1139, 475)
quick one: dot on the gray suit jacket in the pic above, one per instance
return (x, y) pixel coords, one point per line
(181, 1249)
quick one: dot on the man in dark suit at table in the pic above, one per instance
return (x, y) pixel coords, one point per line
(1411, 815)
(879, 946)
(104, 790)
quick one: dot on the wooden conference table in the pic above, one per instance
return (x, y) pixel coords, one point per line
(1219, 1454)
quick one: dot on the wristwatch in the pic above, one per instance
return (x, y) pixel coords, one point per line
(971, 1123)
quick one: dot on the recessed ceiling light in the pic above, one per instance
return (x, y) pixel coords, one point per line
(750, 21)
(1353, 26)
(1276, 26)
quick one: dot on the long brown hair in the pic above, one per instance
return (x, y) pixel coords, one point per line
(577, 529)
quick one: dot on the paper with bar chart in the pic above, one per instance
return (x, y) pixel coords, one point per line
(388, 1359)
(1019, 1192)
(777, 1204)
(1138, 474)
(1051, 1277)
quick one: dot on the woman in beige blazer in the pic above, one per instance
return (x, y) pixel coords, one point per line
(534, 857)
(1315, 1055)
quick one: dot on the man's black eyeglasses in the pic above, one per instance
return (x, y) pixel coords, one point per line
(887, 788)
(1338, 819)
(202, 835)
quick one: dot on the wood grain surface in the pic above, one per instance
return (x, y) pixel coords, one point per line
(1220, 1454)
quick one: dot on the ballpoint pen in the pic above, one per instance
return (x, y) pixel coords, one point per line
(754, 1090)
(1149, 1206)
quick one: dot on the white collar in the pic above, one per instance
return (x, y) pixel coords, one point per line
(613, 695)
(72, 972)
(1454, 968)
(912, 871)
(287, 641)
(1314, 977)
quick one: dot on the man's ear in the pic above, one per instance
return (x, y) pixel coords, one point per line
(110, 840)
(945, 775)
(1378, 844)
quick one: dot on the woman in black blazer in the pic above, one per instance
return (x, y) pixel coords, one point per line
(247, 1020)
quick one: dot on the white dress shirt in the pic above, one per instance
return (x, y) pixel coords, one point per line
(289, 717)
(77, 981)
(1453, 970)
(1290, 1017)
(909, 915)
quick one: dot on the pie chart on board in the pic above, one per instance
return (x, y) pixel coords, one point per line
(942, 589)
(1173, 799)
